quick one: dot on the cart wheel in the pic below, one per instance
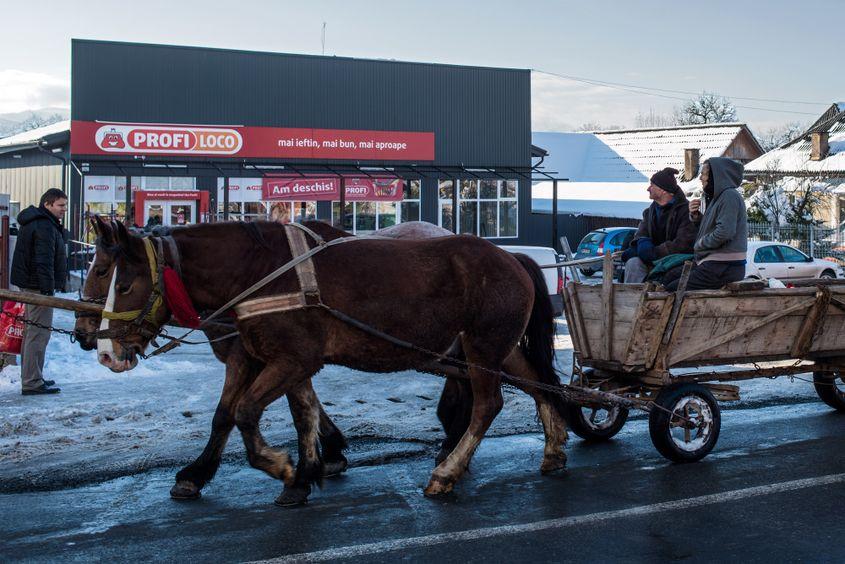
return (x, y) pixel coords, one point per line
(831, 389)
(595, 424)
(680, 440)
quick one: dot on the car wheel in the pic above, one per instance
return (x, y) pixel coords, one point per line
(827, 274)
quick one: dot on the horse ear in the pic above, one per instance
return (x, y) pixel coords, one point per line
(103, 230)
(122, 235)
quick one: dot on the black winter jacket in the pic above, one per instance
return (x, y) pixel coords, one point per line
(40, 259)
(679, 235)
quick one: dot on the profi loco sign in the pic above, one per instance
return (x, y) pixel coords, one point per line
(165, 139)
(98, 138)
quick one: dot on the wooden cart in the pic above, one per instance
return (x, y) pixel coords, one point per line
(631, 340)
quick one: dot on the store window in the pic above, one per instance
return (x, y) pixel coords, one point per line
(487, 208)
(367, 217)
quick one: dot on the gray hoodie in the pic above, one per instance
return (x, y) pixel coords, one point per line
(723, 231)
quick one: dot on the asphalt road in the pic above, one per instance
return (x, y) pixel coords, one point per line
(771, 491)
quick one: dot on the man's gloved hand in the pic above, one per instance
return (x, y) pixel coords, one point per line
(645, 249)
(629, 253)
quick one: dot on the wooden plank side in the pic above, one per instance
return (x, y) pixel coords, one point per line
(693, 342)
(579, 330)
(607, 303)
(646, 334)
(641, 311)
(739, 306)
(596, 338)
(832, 335)
(811, 325)
(774, 339)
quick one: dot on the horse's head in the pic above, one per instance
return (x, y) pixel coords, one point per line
(134, 308)
(95, 289)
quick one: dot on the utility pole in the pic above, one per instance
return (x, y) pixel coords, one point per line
(323, 38)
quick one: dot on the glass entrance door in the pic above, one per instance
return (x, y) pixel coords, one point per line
(181, 213)
(168, 213)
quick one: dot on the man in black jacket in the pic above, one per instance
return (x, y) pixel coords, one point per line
(39, 265)
(665, 229)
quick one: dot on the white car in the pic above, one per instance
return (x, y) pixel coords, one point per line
(770, 259)
(554, 276)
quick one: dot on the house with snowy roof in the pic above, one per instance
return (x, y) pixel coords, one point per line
(608, 171)
(817, 156)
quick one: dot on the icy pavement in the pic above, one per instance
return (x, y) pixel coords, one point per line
(104, 425)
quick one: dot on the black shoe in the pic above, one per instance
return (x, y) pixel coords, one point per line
(49, 382)
(44, 389)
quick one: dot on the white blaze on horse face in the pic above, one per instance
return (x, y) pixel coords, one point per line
(104, 346)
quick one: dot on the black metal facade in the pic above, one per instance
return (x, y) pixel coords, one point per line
(479, 116)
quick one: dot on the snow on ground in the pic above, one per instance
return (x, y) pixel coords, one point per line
(159, 414)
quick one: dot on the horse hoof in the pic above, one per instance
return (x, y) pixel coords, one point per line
(184, 490)
(291, 497)
(437, 488)
(336, 468)
(553, 464)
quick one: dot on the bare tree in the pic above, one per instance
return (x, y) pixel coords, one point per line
(652, 119)
(774, 198)
(709, 107)
(774, 137)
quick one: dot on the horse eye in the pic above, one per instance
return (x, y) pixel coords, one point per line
(101, 272)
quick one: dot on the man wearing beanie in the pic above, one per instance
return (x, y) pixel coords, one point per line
(665, 229)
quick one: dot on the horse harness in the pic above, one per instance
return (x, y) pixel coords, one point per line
(307, 296)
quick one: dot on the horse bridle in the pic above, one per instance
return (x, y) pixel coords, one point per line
(137, 318)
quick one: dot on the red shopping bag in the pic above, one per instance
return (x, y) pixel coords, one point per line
(11, 327)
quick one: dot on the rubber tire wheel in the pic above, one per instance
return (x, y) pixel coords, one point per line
(829, 394)
(587, 272)
(579, 425)
(828, 275)
(658, 422)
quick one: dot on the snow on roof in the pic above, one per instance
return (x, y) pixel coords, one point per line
(34, 135)
(631, 155)
(602, 199)
(795, 156)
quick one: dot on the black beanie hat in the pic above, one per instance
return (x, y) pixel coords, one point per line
(665, 180)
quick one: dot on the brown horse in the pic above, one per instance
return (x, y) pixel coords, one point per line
(241, 371)
(439, 292)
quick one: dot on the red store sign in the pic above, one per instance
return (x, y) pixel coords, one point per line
(327, 189)
(113, 138)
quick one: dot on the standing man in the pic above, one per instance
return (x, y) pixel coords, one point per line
(722, 242)
(40, 266)
(665, 229)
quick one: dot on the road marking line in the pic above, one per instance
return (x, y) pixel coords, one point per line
(503, 530)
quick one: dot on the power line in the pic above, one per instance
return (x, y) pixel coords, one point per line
(647, 91)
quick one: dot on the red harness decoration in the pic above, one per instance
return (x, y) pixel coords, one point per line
(178, 300)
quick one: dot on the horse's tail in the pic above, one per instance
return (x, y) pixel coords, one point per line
(537, 343)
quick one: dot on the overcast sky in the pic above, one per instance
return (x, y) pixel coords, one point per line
(776, 50)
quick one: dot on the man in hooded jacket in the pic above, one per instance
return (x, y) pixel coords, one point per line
(721, 245)
(665, 229)
(39, 265)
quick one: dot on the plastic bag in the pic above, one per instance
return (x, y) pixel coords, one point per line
(11, 328)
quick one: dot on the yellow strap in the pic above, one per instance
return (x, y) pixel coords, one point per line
(133, 314)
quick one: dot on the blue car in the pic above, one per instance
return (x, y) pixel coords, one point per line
(605, 240)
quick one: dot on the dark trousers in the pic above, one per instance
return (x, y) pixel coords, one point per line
(709, 275)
